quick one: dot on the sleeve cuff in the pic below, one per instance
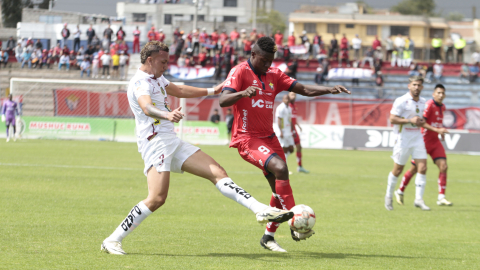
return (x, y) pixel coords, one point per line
(229, 89)
(291, 86)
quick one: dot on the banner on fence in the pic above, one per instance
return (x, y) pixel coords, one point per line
(349, 73)
(190, 73)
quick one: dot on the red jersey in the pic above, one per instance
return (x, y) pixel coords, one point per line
(161, 37)
(253, 117)
(151, 35)
(215, 38)
(291, 41)
(278, 39)
(433, 115)
(136, 34)
(234, 35)
(294, 114)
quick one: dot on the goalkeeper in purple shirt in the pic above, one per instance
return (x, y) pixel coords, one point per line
(9, 111)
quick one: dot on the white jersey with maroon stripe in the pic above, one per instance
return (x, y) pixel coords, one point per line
(146, 127)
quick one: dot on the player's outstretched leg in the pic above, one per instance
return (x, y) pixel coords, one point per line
(442, 182)
(299, 157)
(202, 165)
(158, 183)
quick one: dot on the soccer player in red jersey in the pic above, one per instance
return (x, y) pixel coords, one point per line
(433, 115)
(296, 137)
(251, 88)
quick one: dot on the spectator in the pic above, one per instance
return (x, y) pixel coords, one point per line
(26, 56)
(85, 67)
(123, 64)
(407, 58)
(475, 57)
(217, 62)
(227, 50)
(202, 57)
(65, 50)
(106, 60)
(254, 35)
(291, 40)
(286, 54)
(322, 54)
(90, 35)
(410, 46)
(278, 38)
(304, 37)
(196, 42)
(123, 46)
(72, 59)
(474, 70)
(414, 69)
(459, 44)
(223, 38)
(189, 62)
(10, 44)
(368, 57)
(76, 39)
(229, 121)
(179, 47)
(215, 118)
(81, 50)
(51, 59)
(24, 42)
(105, 43)
(377, 54)
(121, 34)
(45, 59)
(234, 37)
(376, 43)
(227, 61)
(176, 35)
(399, 45)
(4, 58)
(429, 73)
(95, 43)
(136, 40)
(65, 34)
(57, 52)
(291, 70)
(437, 46)
(115, 64)
(389, 48)
(449, 50)
(247, 47)
(80, 58)
(243, 35)
(36, 58)
(64, 60)
(333, 46)
(38, 45)
(95, 66)
(344, 57)
(379, 79)
(344, 43)
(18, 52)
(377, 67)
(107, 35)
(90, 51)
(356, 45)
(181, 60)
(438, 70)
(464, 73)
(151, 35)
(214, 38)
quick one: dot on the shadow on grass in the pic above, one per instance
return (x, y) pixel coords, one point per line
(290, 255)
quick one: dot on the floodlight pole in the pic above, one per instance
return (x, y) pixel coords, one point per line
(195, 16)
(254, 20)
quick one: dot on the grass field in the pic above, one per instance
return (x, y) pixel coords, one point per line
(60, 199)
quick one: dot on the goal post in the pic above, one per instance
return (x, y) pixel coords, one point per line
(78, 109)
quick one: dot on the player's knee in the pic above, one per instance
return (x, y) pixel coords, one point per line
(219, 172)
(422, 169)
(443, 168)
(156, 202)
(281, 171)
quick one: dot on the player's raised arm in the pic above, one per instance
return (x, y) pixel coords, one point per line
(318, 90)
(150, 110)
(187, 91)
(228, 98)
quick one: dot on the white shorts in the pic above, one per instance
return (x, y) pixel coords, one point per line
(401, 155)
(167, 154)
(286, 141)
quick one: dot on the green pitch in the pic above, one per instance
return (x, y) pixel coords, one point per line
(60, 199)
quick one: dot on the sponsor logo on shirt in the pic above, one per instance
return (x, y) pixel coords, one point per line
(271, 86)
(255, 82)
(227, 83)
(138, 83)
(259, 103)
(232, 71)
(72, 102)
(244, 120)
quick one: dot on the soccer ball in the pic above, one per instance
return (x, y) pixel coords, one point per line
(303, 218)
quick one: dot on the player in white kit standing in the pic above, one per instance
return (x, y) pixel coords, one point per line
(407, 117)
(163, 152)
(283, 115)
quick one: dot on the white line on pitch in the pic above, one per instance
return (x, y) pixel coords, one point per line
(69, 166)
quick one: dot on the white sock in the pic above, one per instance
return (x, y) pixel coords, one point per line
(138, 213)
(272, 234)
(420, 182)
(230, 190)
(441, 196)
(287, 154)
(392, 182)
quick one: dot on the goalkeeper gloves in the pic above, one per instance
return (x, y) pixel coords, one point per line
(3, 117)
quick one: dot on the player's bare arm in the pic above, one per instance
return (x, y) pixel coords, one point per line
(440, 131)
(318, 90)
(397, 120)
(279, 120)
(150, 110)
(187, 91)
(228, 98)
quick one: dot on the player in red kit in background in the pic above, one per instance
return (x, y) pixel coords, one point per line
(433, 115)
(296, 138)
(151, 35)
(251, 88)
(136, 40)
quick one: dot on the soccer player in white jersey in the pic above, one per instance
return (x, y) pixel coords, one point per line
(283, 114)
(407, 117)
(163, 152)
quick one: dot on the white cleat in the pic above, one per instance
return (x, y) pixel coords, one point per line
(301, 236)
(399, 196)
(272, 214)
(444, 202)
(388, 203)
(421, 204)
(268, 242)
(302, 170)
(112, 247)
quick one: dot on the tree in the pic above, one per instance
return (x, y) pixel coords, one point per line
(455, 16)
(273, 19)
(415, 7)
(367, 9)
(12, 10)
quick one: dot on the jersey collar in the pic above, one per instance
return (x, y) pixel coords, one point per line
(439, 105)
(144, 74)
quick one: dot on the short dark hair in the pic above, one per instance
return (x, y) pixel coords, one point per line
(267, 44)
(439, 86)
(152, 47)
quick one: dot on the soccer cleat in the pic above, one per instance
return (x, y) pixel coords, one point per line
(272, 214)
(444, 202)
(268, 242)
(421, 204)
(112, 247)
(302, 170)
(290, 173)
(301, 236)
(8, 139)
(399, 197)
(388, 203)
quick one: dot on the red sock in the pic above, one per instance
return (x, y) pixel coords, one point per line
(299, 159)
(405, 180)
(273, 226)
(442, 183)
(284, 193)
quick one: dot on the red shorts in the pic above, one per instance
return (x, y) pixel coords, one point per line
(259, 151)
(435, 150)
(296, 138)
